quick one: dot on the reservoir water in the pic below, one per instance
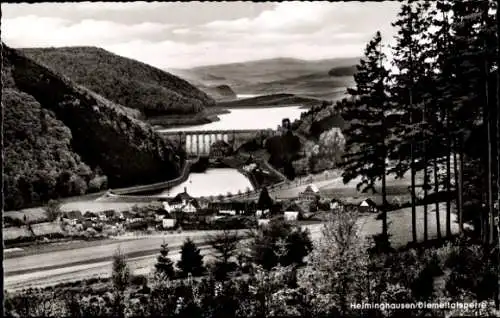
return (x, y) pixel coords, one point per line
(212, 182)
(247, 118)
(223, 180)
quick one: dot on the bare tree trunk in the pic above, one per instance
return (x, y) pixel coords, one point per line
(497, 299)
(412, 171)
(426, 184)
(455, 176)
(461, 189)
(491, 227)
(384, 203)
(448, 177)
(436, 191)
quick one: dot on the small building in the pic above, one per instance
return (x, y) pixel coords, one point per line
(227, 212)
(126, 215)
(368, 205)
(336, 205)
(220, 149)
(110, 214)
(181, 200)
(203, 203)
(73, 217)
(167, 207)
(190, 207)
(291, 215)
(47, 229)
(262, 222)
(262, 213)
(311, 193)
(168, 223)
(91, 216)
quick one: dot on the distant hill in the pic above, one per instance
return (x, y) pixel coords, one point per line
(219, 92)
(61, 139)
(320, 79)
(272, 100)
(124, 81)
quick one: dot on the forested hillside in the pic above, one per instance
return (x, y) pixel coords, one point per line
(60, 138)
(124, 81)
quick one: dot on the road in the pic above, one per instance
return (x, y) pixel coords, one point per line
(53, 267)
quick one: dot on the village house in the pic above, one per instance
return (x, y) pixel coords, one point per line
(126, 215)
(336, 205)
(47, 230)
(167, 207)
(184, 202)
(291, 215)
(311, 193)
(73, 217)
(91, 216)
(262, 222)
(168, 223)
(367, 205)
(110, 214)
(262, 213)
(203, 203)
(190, 207)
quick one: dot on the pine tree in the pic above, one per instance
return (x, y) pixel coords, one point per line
(191, 260)
(165, 266)
(474, 46)
(366, 150)
(407, 93)
(265, 201)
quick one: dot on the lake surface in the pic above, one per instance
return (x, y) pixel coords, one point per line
(212, 182)
(247, 118)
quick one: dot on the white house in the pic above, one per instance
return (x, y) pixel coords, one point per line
(260, 213)
(189, 207)
(168, 223)
(262, 222)
(228, 212)
(311, 193)
(291, 215)
(368, 205)
(336, 205)
(167, 207)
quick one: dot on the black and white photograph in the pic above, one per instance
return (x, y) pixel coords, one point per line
(251, 159)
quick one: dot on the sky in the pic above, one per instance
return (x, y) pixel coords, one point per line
(183, 35)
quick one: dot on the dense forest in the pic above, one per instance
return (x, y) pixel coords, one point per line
(433, 111)
(124, 81)
(62, 140)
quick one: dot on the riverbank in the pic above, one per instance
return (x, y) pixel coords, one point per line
(273, 100)
(208, 115)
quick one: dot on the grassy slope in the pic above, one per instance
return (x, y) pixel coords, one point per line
(124, 81)
(103, 134)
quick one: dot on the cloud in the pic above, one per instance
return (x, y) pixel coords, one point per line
(220, 33)
(34, 31)
(285, 16)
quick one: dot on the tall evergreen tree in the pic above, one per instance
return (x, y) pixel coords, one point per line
(366, 135)
(409, 60)
(191, 260)
(164, 265)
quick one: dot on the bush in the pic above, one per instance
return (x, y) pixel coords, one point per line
(138, 280)
(280, 242)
